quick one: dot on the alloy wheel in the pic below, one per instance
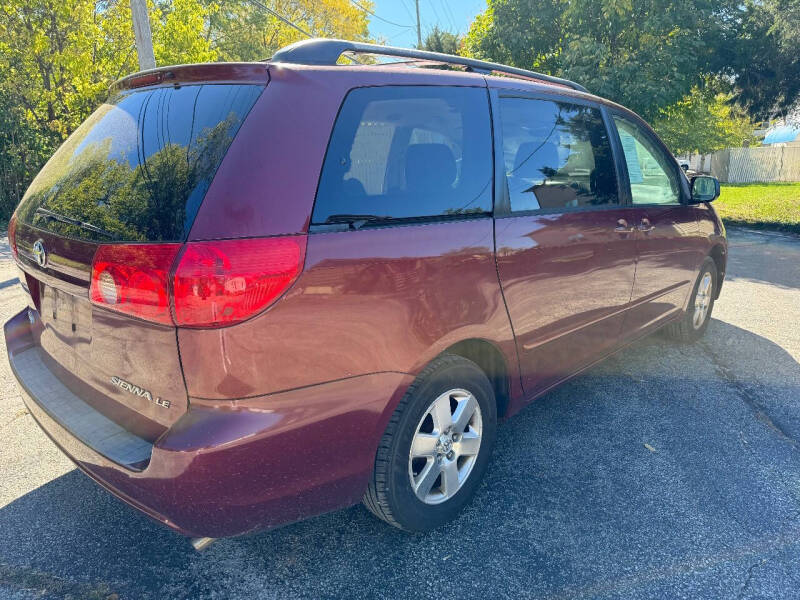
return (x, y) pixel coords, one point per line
(702, 301)
(445, 446)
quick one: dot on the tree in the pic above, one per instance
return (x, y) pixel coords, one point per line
(649, 54)
(704, 121)
(242, 30)
(21, 143)
(439, 40)
(766, 59)
(58, 57)
(144, 202)
(180, 37)
(645, 54)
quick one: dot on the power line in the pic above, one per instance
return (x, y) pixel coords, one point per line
(449, 14)
(408, 11)
(397, 35)
(369, 12)
(280, 17)
(435, 12)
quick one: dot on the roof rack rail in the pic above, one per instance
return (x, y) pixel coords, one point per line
(324, 51)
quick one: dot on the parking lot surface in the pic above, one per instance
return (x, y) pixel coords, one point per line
(668, 471)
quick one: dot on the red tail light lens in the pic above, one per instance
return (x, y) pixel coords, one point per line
(224, 282)
(134, 279)
(12, 235)
(214, 283)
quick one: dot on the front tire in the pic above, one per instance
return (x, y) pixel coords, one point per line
(692, 326)
(436, 447)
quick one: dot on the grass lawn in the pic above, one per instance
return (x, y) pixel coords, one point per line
(761, 205)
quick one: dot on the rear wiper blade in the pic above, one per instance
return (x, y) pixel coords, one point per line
(356, 221)
(49, 214)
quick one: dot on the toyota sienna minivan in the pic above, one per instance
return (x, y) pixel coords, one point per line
(263, 291)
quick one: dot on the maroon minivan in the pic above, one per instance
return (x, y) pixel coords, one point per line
(263, 291)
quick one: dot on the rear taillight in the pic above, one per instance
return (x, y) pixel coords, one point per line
(134, 279)
(210, 284)
(12, 235)
(224, 282)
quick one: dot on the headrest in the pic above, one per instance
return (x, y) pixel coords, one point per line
(429, 167)
(532, 157)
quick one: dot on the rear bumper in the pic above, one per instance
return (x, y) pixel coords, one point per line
(228, 467)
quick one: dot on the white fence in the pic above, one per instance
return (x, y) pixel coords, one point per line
(746, 165)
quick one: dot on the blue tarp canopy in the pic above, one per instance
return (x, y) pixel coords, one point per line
(782, 133)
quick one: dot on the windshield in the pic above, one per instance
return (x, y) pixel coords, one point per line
(138, 168)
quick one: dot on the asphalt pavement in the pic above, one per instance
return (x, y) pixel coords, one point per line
(668, 471)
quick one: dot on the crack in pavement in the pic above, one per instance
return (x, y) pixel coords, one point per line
(747, 394)
(18, 415)
(628, 583)
(33, 580)
(750, 572)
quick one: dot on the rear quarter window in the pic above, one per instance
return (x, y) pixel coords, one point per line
(138, 168)
(405, 152)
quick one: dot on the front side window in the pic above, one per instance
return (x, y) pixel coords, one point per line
(651, 174)
(557, 155)
(400, 152)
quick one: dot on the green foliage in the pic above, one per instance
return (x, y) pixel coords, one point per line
(766, 56)
(58, 57)
(22, 146)
(179, 37)
(241, 30)
(439, 40)
(650, 54)
(703, 121)
(131, 203)
(645, 54)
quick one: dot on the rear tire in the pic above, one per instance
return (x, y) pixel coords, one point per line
(436, 447)
(692, 326)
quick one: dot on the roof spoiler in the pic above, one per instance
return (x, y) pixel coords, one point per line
(322, 51)
(228, 72)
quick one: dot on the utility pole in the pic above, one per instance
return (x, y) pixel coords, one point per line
(144, 38)
(419, 30)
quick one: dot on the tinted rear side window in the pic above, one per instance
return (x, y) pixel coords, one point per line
(557, 155)
(138, 168)
(408, 152)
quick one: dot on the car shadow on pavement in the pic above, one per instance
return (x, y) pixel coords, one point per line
(775, 261)
(9, 282)
(665, 464)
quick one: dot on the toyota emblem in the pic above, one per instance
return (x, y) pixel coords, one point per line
(39, 253)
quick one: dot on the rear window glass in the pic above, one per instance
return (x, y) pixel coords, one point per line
(557, 155)
(138, 168)
(402, 152)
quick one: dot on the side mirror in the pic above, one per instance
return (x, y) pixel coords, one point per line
(685, 167)
(704, 189)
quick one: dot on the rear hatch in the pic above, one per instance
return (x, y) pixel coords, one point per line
(100, 226)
